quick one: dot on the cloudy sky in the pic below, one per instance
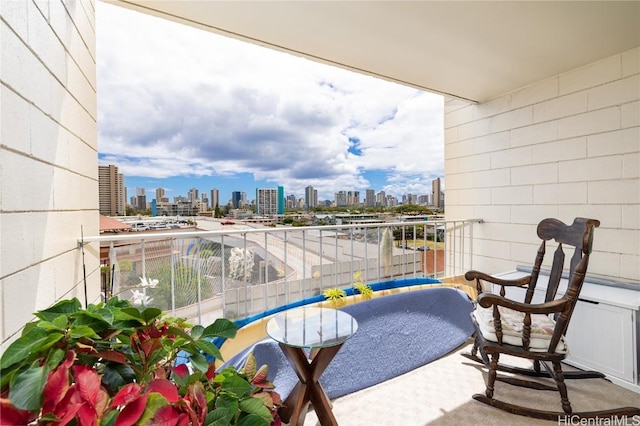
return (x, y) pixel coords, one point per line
(181, 108)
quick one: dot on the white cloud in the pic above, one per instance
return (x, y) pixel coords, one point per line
(175, 100)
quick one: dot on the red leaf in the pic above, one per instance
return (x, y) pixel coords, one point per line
(211, 371)
(87, 415)
(150, 346)
(10, 415)
(112, 356)
(131, 413)
(88, 382)
(183, 420)
(181, 370)
(198, 399)
(164, 387)
(127, 394)
(102, 403)
(166, 416)
(68, 407)
(260, 377)
(57, 384)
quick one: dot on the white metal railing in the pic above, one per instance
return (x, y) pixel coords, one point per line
(240, 270)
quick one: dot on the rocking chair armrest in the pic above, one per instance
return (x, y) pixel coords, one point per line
(473, 275)
(487, 299)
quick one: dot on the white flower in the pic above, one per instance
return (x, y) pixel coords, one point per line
(139, 298)
(147, 282)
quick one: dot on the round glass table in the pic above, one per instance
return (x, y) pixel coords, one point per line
(323, 331)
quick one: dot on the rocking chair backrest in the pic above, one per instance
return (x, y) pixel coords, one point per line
(579, 236)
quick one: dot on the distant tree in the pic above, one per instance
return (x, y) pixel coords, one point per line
(217, 212)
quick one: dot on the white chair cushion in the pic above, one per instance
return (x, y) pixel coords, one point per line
(512, 323)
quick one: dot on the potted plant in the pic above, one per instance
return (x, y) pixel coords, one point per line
(335, 296)
(360, 287)
(118, 364)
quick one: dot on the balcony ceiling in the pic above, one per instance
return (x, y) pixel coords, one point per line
(467, 49)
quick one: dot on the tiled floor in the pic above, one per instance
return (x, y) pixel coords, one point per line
(440, 393)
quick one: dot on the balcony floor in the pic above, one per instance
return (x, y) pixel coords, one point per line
(440, 393)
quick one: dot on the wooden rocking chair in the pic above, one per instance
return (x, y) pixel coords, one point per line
(530, 331)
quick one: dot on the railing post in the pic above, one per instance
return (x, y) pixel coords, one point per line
(173, 277)
(198, 279)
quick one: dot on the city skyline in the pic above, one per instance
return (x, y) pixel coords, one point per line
(366, 198)
(182, 108)
(151, 193)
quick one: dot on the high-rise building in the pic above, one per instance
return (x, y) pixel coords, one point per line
(436, 194)
(281, 200)
(161, 197)
(370, 198)
(193, 196)
(340, 198)
(267, 201)
(381, 199)
(204, 202)
(111, 191)
(215, 198)
(236, 200)
(140, 199)
(409, 199)
(353, 198)
(310, 197)
(290, 202)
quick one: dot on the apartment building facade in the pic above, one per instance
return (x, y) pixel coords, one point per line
(112, 192)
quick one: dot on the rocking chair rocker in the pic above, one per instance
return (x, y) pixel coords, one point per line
(529, 331)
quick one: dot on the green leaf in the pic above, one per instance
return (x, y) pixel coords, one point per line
(232, 383)
(115, 302)
(20, 349)
(253, 420)
(255, 406)
(225, 410)
(196, 331)
(132, 312)
(154, 402)
(83, 331)
(209, 349)
(109, 419)
(151, 313)
(97, 320)
(58, 324)
(55, 358)
(199, 362)
(179, 332)
(222, 327)
(63, 307)
(116, 375)
(26, 388)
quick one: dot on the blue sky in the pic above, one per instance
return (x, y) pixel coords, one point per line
(181, 108)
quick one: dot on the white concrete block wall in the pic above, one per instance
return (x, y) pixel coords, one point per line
(564, 147)
(48, 157)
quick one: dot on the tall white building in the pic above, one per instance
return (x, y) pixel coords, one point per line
(267, 202)
(370, 198)
(310, 197)
(193, 196)
(214, 199)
